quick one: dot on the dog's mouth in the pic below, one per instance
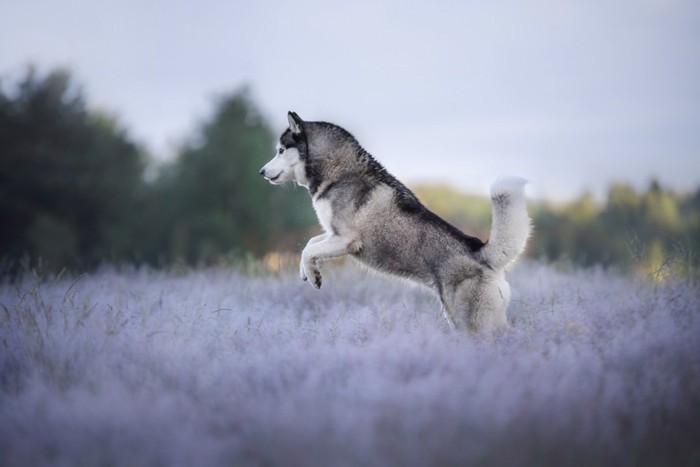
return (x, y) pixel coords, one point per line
(273, 179)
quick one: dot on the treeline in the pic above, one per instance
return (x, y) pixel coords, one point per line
(74, 193)
(656, 231)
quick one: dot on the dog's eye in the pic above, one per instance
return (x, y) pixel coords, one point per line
(281, 150)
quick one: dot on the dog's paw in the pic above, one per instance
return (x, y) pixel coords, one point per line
(309, 272)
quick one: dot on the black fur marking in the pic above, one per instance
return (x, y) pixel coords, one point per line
(317, 278)
(313, 175)
(474, 244)
(363, 194)
(297, 119)
(334, 228)
(361, 189)
(501, 199)
(327, 190)
(287, 139)
(296, 141)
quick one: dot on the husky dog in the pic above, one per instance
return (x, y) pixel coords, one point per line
(369, 215)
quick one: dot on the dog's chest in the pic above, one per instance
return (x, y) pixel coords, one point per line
(324, 212)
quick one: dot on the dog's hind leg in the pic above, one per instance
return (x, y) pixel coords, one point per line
(477, 303)
(481, 306)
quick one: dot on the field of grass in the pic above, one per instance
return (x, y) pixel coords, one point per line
(221, 367)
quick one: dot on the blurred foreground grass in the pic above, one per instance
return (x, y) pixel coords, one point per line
(248, 366)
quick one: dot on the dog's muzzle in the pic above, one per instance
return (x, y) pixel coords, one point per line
(268, 178)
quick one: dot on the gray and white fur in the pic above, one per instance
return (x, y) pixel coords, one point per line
(369, 215)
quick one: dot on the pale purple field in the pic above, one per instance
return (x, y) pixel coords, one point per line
(219, 367)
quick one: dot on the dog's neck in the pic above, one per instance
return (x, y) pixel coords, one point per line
(330, 166)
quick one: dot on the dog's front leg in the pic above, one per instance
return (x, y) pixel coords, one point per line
(312, 241)
(317, 238)
(333, 246)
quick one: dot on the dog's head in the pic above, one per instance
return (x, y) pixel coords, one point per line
(288, 163)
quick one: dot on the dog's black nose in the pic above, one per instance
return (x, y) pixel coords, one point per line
(262, 172)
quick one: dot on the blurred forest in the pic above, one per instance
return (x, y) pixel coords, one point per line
(74, 193)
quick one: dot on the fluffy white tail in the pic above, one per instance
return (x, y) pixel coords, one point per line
(510, 225)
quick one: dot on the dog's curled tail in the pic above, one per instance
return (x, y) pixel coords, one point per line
(510, 225)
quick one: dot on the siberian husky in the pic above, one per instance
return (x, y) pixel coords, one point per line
(369, 215)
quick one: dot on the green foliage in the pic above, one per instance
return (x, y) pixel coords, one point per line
(217, 202)
(69, 178)
(575, 233)
(73, 194)
(655, 231)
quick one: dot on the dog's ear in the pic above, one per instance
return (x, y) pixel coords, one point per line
(295, 122)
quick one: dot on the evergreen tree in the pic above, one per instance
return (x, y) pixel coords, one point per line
(218, 202)
(69, 178)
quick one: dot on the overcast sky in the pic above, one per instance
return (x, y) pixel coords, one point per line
(572, 95)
